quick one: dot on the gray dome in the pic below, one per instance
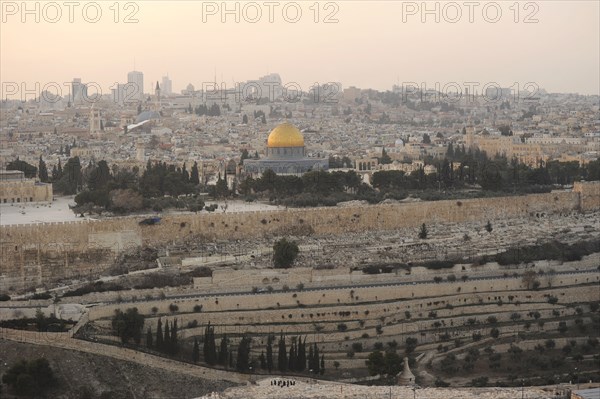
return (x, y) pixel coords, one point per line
(146, 115)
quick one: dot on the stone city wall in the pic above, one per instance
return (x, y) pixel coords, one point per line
(33, 255)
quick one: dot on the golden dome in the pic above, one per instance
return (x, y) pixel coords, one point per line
(285, 135)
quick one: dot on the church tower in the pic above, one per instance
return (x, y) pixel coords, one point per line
(95, 120)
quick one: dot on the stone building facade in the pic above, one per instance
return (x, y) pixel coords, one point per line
(15, 188)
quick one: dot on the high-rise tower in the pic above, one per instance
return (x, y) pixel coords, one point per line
(135, 81)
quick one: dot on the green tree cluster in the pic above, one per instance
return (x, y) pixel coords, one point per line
(128, 325)
(30, 378)
(166, 341)
(30, 171)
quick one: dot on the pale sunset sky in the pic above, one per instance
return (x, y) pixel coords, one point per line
(373, 44)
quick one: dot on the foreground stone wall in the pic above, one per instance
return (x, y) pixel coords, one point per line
(33, 255)
(305, 388)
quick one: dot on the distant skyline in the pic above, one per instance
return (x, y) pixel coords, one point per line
(369, 47)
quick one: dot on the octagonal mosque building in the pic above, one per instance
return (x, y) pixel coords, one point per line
(286, 154)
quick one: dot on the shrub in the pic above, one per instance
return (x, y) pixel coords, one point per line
(357, 347)
(173, 308)
(30, 378)
(192, 324)
(98, 286)
(438, 264)
(284, 253)
(562, 327)
(479, 382)
(441, 383)
(342, 327)
(515, 316)
(41, 295)
(4, 297)
(423, 232)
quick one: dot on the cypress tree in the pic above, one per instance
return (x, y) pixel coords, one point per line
(263, 361)
(210, 350)
(167, 338)
(301, 354)
(59, 170)
(223, 351)
(231, 360)
(282, 356)
(194, 176)
(316, 358)
(149, 338)
(292, 357)
(243, 354)
(213, 346)
(270, 353)
(196, 351)
(174, 342)
(159, 336)
(205, 342)
(185, 174)
(42, 171)
(322, 368)
(311, 359)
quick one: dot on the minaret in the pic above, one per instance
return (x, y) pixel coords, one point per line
(157, 95)
(140, 151)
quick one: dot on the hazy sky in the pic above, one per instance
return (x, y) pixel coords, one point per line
(373, 44)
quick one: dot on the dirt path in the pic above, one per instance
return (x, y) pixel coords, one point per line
(427, 378)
